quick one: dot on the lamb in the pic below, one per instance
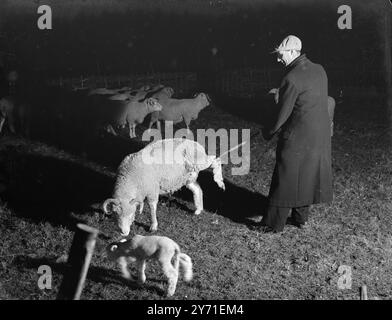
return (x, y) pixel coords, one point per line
(162, 167)
(178, 110)
(142, 248)
(331, 105)
(136, 111)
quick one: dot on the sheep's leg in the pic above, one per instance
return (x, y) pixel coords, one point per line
(130, 130)
(187, 123)
(216, 165)
(171, 275)
(141, 267)
(141, 207)
(153, 207)
(124, 267)
(159, 125)
(197, 196)
(2, 120)
(153, 119)
(134, 130)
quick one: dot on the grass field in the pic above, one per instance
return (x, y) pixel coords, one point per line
(232, 260)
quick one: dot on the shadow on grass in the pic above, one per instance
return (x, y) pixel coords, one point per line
(46, 188)
(235, 202)
(96, 274)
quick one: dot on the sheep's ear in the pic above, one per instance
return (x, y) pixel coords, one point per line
(196, 94)
(113, 248)
(107, 206)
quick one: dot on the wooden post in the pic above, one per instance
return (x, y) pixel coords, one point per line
(363, 291)
(79, 260)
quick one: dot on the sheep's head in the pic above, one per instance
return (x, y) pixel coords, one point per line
(153, 105)
(168, 91)
(111, 251)
(116, 250)
(204, 98)
(124, 212)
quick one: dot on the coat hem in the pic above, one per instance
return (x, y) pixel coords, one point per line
(296, 204)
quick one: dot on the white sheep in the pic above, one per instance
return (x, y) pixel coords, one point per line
(136, 111)
(331, 105)
(162, 167)
(140, 248)
(177, 110)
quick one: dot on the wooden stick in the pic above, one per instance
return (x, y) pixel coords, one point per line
(79, 260)
(364, 295)
(232, 149)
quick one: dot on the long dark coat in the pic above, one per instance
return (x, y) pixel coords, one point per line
(303, 173)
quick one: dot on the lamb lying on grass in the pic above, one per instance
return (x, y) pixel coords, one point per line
(142, 248)
(331, 105)
(178, 110)
(160, 168)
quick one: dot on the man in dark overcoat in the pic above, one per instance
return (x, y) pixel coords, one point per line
(302, 175)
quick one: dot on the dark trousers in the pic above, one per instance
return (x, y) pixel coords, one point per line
(276, 217)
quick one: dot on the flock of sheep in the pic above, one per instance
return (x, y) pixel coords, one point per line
(118, 108)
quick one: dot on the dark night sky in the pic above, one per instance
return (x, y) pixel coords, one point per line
(122, 36)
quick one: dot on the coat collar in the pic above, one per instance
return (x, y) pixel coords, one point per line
(299, 60)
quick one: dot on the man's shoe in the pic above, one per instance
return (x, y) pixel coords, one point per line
(266, 229)
(295, 223)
